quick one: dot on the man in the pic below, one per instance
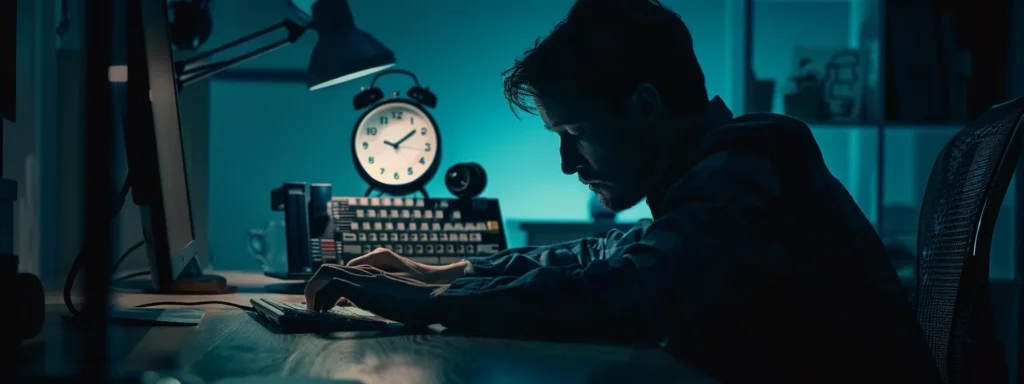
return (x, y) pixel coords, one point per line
(758, 264)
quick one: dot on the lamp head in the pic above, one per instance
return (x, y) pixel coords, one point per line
(342, 52)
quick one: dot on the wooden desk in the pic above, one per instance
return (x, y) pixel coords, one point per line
(231, 343)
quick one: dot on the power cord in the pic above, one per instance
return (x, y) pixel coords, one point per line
(76, 266)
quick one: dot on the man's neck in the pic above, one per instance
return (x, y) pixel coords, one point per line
(677, 152)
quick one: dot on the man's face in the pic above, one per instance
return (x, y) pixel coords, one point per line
(614, 153)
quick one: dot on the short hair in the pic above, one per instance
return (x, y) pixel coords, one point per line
(602, 50)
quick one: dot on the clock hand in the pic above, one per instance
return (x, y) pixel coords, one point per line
(413, 132)
(391, 144)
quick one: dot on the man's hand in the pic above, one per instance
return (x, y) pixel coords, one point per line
(386, 260)
(393, 297)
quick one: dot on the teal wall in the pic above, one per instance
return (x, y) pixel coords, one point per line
(263, 134)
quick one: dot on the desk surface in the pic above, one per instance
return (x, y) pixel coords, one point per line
(231, 343)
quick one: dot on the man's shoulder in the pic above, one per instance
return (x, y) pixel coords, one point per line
(752, 158)
(767, 134)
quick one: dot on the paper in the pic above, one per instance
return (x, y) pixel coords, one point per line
(158, 316)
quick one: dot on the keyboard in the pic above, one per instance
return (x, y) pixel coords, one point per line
(294, 317)
(430, 231)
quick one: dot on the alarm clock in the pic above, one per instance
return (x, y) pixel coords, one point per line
(396, 145)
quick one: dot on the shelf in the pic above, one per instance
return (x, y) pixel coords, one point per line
(888, 124)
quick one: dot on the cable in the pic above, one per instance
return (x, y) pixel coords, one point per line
(76, 265)
(129, 276)
(125, 256)
(210, 302)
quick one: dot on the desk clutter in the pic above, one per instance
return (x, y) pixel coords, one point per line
(335, 229)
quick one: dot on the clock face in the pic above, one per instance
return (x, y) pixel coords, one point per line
(396, 143)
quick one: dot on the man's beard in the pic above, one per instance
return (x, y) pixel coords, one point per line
(617, 202)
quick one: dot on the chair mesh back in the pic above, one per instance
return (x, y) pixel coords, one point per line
(958, 187)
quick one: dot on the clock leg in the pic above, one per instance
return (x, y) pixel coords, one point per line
(424, 192)
(368, 191)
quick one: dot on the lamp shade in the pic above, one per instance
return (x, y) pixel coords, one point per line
(342, 52)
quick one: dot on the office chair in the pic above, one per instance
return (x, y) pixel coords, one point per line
(965, 190)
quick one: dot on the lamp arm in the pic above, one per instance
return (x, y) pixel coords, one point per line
(187, 75)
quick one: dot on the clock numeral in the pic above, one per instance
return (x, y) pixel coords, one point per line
(397, 115)
(422, 161)
(423, 131)
(428, 148)
(396, 175)
(382, 171)
(409, 171)
(372, 131)
(366, 145)
(371, 157)
(412, 120)
(383, 120)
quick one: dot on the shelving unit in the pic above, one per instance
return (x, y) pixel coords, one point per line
(903, 151)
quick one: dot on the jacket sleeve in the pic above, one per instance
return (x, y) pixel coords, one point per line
(706, 249)
(519, 261)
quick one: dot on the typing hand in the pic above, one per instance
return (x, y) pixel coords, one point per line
(393, 297)
(385, 259)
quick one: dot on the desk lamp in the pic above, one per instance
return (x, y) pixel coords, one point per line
(343, 52)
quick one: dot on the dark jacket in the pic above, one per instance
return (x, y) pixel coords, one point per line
(758, 266)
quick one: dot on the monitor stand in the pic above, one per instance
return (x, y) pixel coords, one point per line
(205, 284)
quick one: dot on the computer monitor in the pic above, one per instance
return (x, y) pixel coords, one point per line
(156, 163)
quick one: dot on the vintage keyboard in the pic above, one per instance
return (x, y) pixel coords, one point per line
(433, 231)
